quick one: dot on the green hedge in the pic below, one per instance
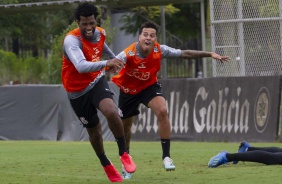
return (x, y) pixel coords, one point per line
(15, 70)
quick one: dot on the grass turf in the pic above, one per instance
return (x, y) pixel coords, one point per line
(47, 162)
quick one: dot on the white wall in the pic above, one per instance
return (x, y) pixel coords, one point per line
(121, 39)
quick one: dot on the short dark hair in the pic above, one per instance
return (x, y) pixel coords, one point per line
(86, 10)
(148, 25)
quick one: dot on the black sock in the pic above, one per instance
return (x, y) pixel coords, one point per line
(165, 147)
(104, 160)
(121, 145)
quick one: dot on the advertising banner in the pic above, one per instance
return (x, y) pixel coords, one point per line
(216, 109)
(206, 109)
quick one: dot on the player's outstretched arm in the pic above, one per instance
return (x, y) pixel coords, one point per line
(219, 57)
(189, 54)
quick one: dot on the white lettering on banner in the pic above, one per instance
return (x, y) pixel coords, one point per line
(144, 119)
(199, 127)
(183, 120)
(181, 117)
(148, 127)
(180, 122)
(228, 113)
(222, 116)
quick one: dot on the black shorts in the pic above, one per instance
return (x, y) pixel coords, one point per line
(85, 107)
(129, 103)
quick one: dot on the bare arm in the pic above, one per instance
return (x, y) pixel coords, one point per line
(189, 54)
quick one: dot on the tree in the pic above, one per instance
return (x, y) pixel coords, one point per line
(31, 34)
(132, 22)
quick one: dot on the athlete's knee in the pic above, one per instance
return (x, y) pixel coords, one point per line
(162, 113)
(110, 112)
(95, 132)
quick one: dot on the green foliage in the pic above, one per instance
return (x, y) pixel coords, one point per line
(153, 12)
(52, 74)
(270, 10)
(110, 31)
(31, 33)
(8, 62)
(182, 20)
(30, 69)
(132, 22)
(8, 1)
(16, 70)
(186, 23)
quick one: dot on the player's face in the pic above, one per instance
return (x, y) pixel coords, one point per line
(87, 26)
(147, 39)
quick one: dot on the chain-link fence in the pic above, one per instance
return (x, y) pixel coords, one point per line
(249, 31)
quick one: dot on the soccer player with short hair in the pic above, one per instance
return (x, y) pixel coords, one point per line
(83, 76)
(138, 83)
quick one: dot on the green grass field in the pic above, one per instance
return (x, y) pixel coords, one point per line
(47, 162)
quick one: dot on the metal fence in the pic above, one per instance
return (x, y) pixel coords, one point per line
(176, 67)
(250, 32)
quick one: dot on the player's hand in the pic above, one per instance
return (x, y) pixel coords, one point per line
(114, 65)
(220, 58)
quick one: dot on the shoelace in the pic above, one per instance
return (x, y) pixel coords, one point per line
(169, 160)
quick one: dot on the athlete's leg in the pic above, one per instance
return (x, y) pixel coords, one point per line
(110, 111)
(127, 124)
(267, 149)
(128, 105)
(256, 156)
(158, 106)
(102, 99)
(96, 140)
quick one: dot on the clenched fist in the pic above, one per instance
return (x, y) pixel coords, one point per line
(114, 65)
